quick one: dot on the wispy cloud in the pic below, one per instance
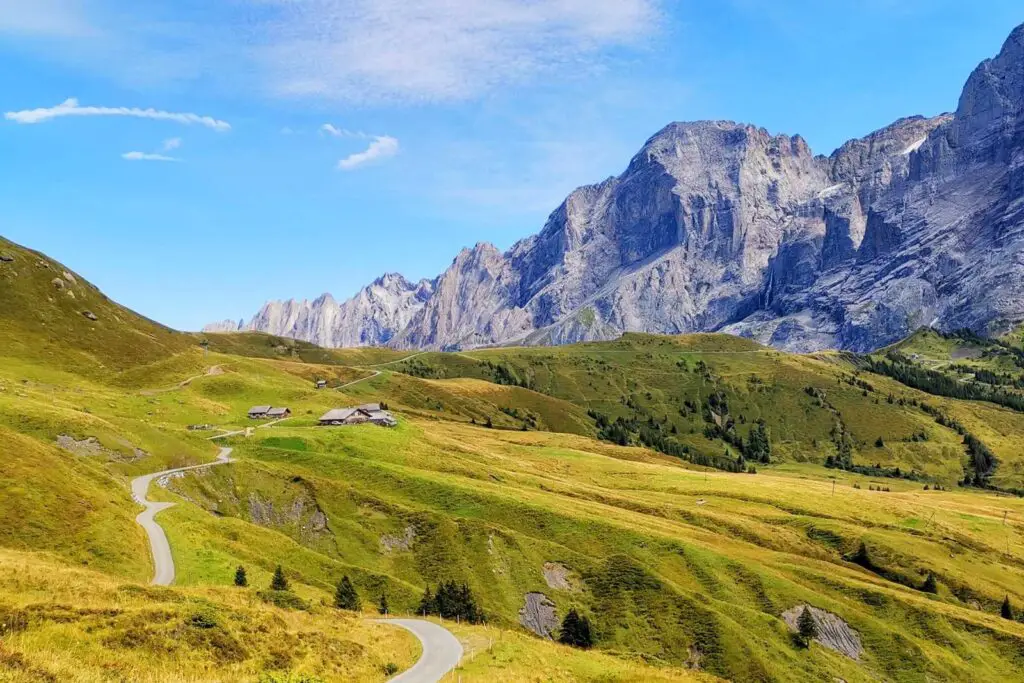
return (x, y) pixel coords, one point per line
(438, 50)
(382, 147)
(70, 107)
(334, 131)
(362, 51)
(169, 145)
(146, 156)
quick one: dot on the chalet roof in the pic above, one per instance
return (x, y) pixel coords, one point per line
(259, 409)
(369, 407)
(338, 414)
(278, 411)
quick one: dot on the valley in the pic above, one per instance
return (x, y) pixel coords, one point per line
(685, 494)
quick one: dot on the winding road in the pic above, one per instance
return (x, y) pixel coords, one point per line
(441, 651)
(163, 563)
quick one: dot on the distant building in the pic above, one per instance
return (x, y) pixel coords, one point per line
(258, 412)
(360, 414)
(321, 384)
(278, 413)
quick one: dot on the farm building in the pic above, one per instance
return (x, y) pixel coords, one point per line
(358, 415)
(278, 413)
(321, 384)
(259, 412)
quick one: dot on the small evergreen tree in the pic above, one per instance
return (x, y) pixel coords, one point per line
(879, 443)
(427, 604)
(345, 596)
(489, 424)
(1007, 609)
(930, 585)
(240, 577)
(806, 627)
(382, 605)
(279, 582)
(861, 557)
(576, 631)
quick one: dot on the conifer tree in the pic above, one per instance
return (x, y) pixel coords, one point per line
(345, 596)
(382, 605)
(807, 627)
(930, 585)
(279, 582)
(1007, 609)
(241, 579)
(576, 631)
(427, 603)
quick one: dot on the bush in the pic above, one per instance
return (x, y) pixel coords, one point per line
(283, 599)
(929, 584)
(1006, 611)
(389, 669)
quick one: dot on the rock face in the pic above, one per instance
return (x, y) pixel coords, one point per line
(723, 226)
(538, 615)
(370, 318)
(833, 632)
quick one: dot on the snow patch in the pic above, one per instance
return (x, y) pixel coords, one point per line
(913, 147)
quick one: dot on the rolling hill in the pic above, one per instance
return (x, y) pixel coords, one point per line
(603, 477)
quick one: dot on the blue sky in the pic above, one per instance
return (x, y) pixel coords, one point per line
(453, 121)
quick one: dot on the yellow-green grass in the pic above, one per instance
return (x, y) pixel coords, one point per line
(666, 557)
(653, 377)
(46, 322)
(63, 624)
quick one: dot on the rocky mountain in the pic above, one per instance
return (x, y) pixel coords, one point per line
(370, 318)
(717, 225)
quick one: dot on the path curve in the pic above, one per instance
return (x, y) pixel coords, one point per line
(361, 379)
(163, 563)
(441, 651)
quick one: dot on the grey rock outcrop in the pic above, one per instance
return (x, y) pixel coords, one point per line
(720, 226)
(538, 615)
(833, 632)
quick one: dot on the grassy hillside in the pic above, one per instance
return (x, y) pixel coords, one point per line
(583, 473)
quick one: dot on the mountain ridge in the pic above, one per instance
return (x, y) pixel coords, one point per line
(724, 226)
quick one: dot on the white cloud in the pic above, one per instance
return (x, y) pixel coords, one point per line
(145, 156)
(171, 144)
(362, 51)
(382, 147)
(70, 107)
(436, 50)
(334, 131)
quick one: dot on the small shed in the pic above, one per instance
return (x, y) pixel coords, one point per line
(278, 413)
(321, 384)
(259, 412)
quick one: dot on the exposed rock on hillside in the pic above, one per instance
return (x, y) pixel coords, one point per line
(716, 225)
(833, 632)
(538, 615)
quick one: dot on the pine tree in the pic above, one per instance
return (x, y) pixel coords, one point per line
(279, 582)
(576, 631)
(807, 627)
(345, 596)
(240, 577)
(382, 605)
(427, 603)
(1006, 610)
(861, 557)
(930, 585)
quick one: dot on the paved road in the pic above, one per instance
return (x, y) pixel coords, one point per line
(441, 651)
(361, 379)
(161, 549)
